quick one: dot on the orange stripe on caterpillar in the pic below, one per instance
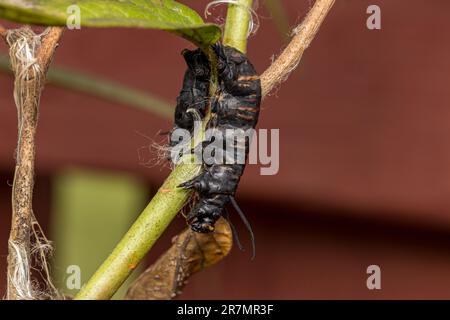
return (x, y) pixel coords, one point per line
(239, 115)
(248, 78)
(248, 108)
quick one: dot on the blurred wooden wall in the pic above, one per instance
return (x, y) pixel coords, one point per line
(364, 149)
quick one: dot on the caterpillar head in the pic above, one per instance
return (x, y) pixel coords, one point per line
(203, 217)
(202, 225)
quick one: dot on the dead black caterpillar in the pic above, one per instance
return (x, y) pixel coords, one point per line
(235, 106)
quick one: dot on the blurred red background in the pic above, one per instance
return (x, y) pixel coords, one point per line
(364, 150)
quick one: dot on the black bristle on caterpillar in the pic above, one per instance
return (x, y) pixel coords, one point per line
(235, 105)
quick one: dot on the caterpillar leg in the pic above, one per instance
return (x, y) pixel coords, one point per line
(198, 183)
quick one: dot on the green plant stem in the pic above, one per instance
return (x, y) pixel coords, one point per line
(237, 24)
(140, 237)
(155, 218)
(102, 88)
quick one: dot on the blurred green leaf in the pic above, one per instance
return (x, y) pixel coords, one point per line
(92, 209)
(279, 16)
(155, 14)
(98, 86)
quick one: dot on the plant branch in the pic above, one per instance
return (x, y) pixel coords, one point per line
(304, 33)
(169, 199)
(29, 66)
(48, 46)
